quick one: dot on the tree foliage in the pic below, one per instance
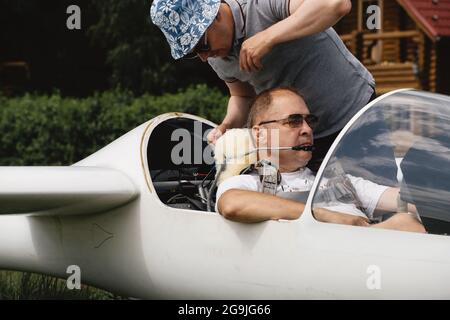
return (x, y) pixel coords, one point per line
(117, 47)
(138, 52)
(56, 130)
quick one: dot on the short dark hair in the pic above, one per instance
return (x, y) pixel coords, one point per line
(263, 101)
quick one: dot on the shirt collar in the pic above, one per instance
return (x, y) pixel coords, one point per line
(301, 171)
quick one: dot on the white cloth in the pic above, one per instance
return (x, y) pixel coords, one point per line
(368, 192)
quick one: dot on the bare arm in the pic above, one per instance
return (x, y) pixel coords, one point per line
(326, 215)
(307, 17)
(402, 221)
(241, 96)
(388, 201)
(251, 206)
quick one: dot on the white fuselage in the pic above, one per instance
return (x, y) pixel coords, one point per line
(146, 249)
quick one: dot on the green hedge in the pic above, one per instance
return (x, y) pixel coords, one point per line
(54, 130)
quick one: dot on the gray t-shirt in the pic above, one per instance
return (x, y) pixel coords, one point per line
(334, 83)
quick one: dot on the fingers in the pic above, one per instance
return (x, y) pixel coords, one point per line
(362, 222)
(249, 61)
(243, 63)
(253, 50)
(258, 64)
(253, 63)
(213, 135)
(250, 55)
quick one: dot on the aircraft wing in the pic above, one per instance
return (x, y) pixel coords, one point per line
(63, 190)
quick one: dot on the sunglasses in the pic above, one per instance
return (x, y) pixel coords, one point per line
(296, 120)
(201, 47)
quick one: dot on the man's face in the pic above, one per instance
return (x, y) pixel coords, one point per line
(277, 134)
(219, 36)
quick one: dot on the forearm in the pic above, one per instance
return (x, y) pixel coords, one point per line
(249, 206)
(388, 201)
(402, 222)
(326, 215)
(310, 17)
(237, 112)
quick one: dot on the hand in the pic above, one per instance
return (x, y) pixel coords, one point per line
(357, 221)
(326, 215)
(252, 51)
(215, 134)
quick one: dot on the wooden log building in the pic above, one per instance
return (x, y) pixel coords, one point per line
(411, 48)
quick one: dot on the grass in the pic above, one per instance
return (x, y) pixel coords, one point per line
(31, 286)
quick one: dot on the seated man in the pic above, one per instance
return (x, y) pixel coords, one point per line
(241, 197)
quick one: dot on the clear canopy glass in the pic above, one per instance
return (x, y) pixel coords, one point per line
(403, 142)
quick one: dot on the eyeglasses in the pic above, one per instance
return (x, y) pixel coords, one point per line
(296, 120)
(201, 47)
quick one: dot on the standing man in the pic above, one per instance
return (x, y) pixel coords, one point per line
(255, 45)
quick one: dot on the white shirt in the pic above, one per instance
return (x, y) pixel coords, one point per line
(368, 192)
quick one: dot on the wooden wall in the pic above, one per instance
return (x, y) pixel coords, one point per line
(419, 54)
(391, 22)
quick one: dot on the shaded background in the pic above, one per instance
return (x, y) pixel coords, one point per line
(117, 46)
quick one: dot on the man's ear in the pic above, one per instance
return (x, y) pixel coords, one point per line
(256, 131)
(260, 134)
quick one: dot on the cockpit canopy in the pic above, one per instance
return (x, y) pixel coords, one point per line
(412, 130)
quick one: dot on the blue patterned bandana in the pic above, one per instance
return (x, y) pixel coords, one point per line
(183, 22)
